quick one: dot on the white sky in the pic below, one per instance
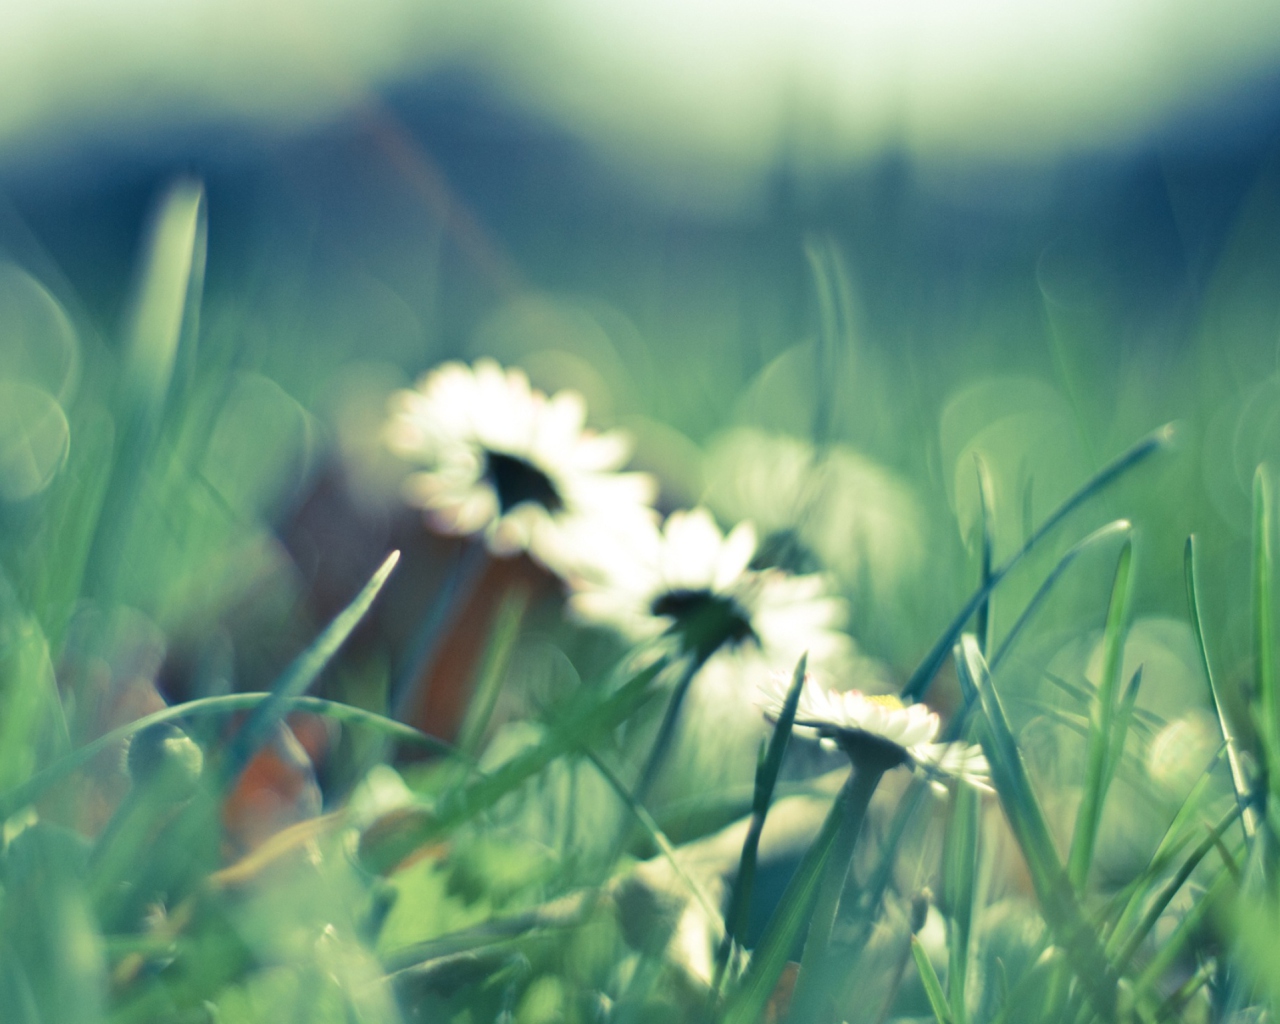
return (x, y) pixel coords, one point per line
(682, 90)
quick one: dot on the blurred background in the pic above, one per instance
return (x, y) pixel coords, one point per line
(1050, 228)
(815, 257)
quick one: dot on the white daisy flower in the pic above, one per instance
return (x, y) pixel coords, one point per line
(880, 725)
(507, 461)
(693, 581)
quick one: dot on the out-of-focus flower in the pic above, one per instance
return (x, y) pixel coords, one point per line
(878, 726)
(693, 581)
(507, 461)
(833, 508)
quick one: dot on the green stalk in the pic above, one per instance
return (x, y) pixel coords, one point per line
(1072, 930)
(667, 730)
(932, 986)
(1239, 781)
(923, 675)
(868, 768)
(766, 779)
(960, 869)
(1102, 716)
(771, 954)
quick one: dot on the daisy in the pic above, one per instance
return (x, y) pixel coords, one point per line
(879, 728)
(506, 461)
(694, 582)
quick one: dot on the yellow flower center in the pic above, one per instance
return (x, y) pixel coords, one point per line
(886, 700)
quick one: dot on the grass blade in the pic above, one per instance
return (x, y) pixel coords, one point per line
(932, 987)
(1120, 727)
(654, 832)
(1172, 947)
(1119, 527)
(923, 674)
(982, 625)
(959, 873)
(226, 704)
(1071, 929)
(766, 779)
(389, 842)
(772, 952)
(1162, 900)
(506, 629)
(1239, 780)
(1102, 719)
(836, 329)
(1263, 622)
(169, 285)
(168, 293)
(299, 676)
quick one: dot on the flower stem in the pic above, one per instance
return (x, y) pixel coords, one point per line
(666, 731)
(854, 797)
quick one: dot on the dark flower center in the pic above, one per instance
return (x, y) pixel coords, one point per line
(783, 549)
(516, 481)
(705, 621)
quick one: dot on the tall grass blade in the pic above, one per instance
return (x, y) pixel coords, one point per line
(835, 334)
(959, 875)
(1116, 528)
(1264, 666)
(588, 718)
(168, 295)
(1120, 727)
(1239, 781)
(506, 629)
(1175, 839)
(164, 311)
(766, 779)
(1071, 930)
(1101, 722)
(986, 490)
(923, 675)
(15, 799)
(654, 832)
(912, 801)
(1172, 947)
(748, 999)
(299, 676)
(932, 986)
(1170, 889)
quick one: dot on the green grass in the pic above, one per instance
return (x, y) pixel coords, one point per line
(570, 856)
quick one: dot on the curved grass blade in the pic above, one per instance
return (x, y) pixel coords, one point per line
(1120, 728)
(226, 704)
(766, 779)
(748, 999)
(879, 879)
(835, 334)
(387, 844)
(299, 676)
(164, 312)
(959, 874)
(1116, 528)
(1173, 842)
(1072, 931)
(923, 675)
(1172, 947)
(1243, 791)
(1162, 900)
(932, 986)
(1264, 666)
(506, 629)
(656, 835)
(1101, 725)
(986, 490)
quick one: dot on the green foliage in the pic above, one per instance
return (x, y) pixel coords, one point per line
(509, 879)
